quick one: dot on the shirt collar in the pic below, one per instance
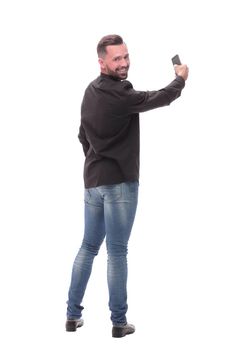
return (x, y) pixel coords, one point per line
(108, 76)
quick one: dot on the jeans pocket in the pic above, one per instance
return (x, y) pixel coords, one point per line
(111, 193)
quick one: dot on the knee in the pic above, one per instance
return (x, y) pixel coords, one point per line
(90, 248)
(117, 250)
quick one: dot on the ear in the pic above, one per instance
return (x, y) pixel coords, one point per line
(101, 63)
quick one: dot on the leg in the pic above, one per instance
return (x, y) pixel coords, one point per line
(119, 213)
(93, 237)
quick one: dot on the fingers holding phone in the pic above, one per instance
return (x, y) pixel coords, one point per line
(180, 69)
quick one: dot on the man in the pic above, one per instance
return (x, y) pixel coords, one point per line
(109, 133)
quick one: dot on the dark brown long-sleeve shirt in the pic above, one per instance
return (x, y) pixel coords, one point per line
(109, 130)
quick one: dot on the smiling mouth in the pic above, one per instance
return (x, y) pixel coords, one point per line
(124, 70)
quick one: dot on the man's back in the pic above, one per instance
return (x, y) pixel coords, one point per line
(110, 134)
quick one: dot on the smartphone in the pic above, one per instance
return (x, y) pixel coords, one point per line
(176, 60)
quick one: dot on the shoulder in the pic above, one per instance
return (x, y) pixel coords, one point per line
(127, 85)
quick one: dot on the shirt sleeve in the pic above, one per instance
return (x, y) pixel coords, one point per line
(83, 139)
(142, 101)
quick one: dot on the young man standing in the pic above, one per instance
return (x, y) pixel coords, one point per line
(109, 133)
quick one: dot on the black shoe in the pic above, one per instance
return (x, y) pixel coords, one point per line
(121, 331)
(72, 325)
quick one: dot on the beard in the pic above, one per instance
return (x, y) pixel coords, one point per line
(119, 73)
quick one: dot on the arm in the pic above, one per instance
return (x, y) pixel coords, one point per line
(142, 101)
(83, 140)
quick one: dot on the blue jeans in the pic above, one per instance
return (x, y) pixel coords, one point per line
(109, 212)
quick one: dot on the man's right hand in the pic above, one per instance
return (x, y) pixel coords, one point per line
(182, 70)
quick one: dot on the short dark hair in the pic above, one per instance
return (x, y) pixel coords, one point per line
(107, 40)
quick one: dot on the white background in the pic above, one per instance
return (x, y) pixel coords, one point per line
(180, 253)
